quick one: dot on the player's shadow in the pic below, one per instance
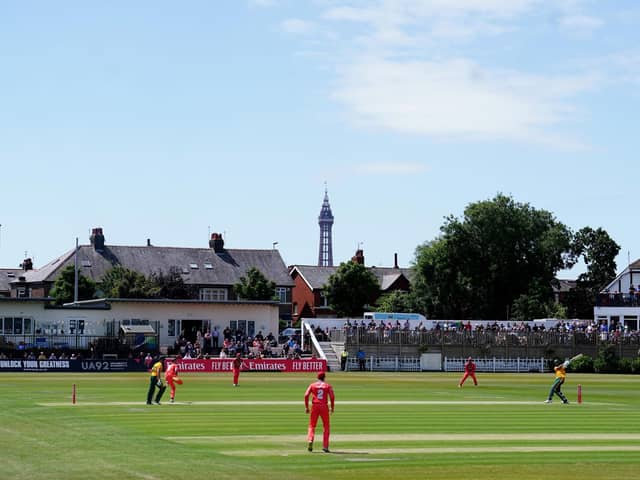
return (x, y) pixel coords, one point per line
(338, 452)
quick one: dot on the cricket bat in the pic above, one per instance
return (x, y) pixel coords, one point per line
(575, 358)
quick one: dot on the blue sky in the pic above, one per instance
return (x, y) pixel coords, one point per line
(170, 120)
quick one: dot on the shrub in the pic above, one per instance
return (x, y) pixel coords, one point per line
(624, 366)
(635, 366)
(583, 364)
(607, 360)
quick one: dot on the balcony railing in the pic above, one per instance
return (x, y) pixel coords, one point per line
(481, 338)
(618, 300)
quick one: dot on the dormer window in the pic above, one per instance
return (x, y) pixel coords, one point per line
(193, 266)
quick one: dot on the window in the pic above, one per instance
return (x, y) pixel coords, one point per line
(323, 299)
(213, 294)
(8, 325)
(194, 266)
(86, 263)
(135, 321)
(247, 327)
(185, 270)
(208, 266)
(16, 325)
(281, 293)
(76, 326)
(173, 327)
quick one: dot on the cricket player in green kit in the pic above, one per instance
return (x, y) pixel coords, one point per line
(561, 375)
(155, 380)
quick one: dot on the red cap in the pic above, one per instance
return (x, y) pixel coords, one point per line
(320, 375)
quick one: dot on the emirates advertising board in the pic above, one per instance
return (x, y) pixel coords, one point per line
(210, 365)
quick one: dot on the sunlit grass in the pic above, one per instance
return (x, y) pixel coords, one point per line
(386, 425)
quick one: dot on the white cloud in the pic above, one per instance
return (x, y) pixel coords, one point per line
(390, 168)
(456, 98)
(297, 26)
(408, 66)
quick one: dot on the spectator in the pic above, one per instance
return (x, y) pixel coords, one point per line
(362, 360)
(148, 361)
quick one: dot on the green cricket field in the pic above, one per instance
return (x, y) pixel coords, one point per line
(385, 426)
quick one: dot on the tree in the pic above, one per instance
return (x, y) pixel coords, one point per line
(64, 286)
(121, 282)
(397, 301)
(351, 288)
(170, 285)
(499, 251)
(598, 251)
(255, 286)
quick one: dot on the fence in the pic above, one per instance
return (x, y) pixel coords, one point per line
(386, 364)
(517, 365)
(360, 336)
(97, 344)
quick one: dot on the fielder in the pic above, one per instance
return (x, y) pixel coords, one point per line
(469, 371)
(322, 393)
(236, 367)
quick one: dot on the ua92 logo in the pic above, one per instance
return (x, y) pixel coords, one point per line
(97, 366)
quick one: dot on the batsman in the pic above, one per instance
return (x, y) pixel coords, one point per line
(155, 380)
(561, 375)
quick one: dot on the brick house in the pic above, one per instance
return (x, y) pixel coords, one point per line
(308, 298)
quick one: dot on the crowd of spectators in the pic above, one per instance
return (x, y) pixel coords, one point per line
(588, 327)
(237, 341)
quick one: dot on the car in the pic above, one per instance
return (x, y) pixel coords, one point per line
(288, 332)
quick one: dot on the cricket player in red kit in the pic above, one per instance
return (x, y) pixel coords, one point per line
(469, 371)
(236, 366)
(171, 377)
(321, 393)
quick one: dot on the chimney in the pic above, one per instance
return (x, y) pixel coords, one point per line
(27, 264)
(97, 239)
(216, 242)
(395, 260)
(358, 257)
(149, 242)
